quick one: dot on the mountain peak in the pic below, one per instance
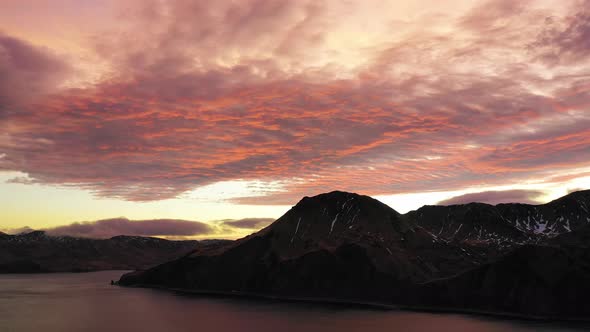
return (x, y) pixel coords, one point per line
(34, 234)
(328, 220)
(329, 196)
(343, 199)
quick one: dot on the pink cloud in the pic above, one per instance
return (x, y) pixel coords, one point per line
(566, 41)
(26, 73)
(224, 91)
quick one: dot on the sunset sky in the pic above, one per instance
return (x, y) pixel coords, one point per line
(209, 119)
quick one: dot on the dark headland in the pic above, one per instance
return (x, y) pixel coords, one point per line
(518, 260)
(38, 252)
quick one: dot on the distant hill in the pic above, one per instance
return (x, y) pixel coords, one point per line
(38, 252)
(516, 259)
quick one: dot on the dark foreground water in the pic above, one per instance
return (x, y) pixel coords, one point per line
(86, 302)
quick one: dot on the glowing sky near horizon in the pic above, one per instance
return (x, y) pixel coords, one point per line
(216, 110)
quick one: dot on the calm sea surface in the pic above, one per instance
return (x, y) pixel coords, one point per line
(86, 302)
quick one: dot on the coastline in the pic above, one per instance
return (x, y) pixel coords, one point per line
(585, 321)
(78, 271)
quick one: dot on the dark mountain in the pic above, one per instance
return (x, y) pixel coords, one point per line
(38, 252)
(328, 221)
(473, 224)
(316, 235)
(562, 215)
(579, 238)
(547, 282)
(503, 227)
(350, 247)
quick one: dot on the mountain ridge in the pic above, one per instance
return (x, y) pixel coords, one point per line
(351, 247)
(35, 252)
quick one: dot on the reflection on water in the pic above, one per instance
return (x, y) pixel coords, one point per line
(86, 302)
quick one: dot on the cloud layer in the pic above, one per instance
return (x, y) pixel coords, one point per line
(248, 223)
(199, 93)
(166, 228)
(26, 73)
(121, 226)
(497, 197)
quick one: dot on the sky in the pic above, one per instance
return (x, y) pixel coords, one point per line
(209, 119)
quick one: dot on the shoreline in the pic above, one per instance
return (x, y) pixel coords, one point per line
(63, 272)
(366, 304)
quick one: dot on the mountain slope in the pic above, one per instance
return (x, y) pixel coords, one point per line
(534, 280)
(562, 215)
(475, 224)
(504, 226)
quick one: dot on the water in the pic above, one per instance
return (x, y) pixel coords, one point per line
(86, 302)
